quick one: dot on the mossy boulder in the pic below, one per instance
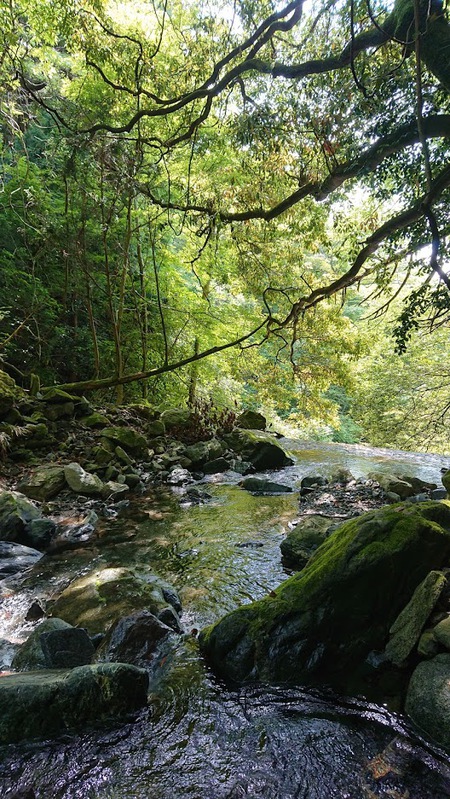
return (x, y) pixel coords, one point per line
(301, 542)
(16, 515)
(30, 656)
(126, 437)
(82, 482)
(43, 483)
(37, 436)
(176, 417)
(94, 420)
(101, 597)
(9, 393)
(251, 420)
(57, 396)
(41, 704)
(441, 633)
(260, 448)
(428, 699)
(323, 624)
(406, 630)
(391, 484)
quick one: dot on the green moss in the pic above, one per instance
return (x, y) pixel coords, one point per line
(323, 622)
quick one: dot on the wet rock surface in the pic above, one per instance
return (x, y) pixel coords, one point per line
(47, 703)
(321, 625)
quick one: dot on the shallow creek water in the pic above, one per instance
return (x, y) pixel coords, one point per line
(198, 738)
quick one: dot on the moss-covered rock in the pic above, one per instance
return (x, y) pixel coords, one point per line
(251, 420)
(428, 699)
(391, 484)
(58, 396)
(301, 542)
(42, 704)
(30, 656)
(100, 598)
(94, 420)
(127, 438)
(43, 483)
(406, 630)
(16, 515)
(176, 417)
(82, 482)
(9, 393)
(441, 633)
(321, 625)
(260, 448)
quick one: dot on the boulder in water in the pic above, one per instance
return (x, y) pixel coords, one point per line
(98, 599)
(259, 448)
(42, 704)
(322, 624)
(134, 639)
(428, 699)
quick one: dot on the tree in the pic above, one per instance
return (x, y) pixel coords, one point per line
(252, 121)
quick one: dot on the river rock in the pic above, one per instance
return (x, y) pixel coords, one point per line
(43, 483)
(251, 420)
(127, 438)
(94, 420)
(72, 534)
(65, 649)
(98, 599)
(156, 428)
(260, 448)
(31, 655)
(321, 625)
(216, 466)
(441, 633)
(42, 704)
(301, 542)
(406, 630)
(391, 484)
(176, 417)
(16, 515)
(258, 486)
(15, 558)
(428, 699)
(41, 533)
(134, 639)
(204, 451)
(82, 482)
(418, 485)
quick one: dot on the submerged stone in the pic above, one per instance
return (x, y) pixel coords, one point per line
(321, 624)
(101, 597)
(42, 704)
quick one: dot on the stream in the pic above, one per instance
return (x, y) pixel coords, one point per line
(199, 739)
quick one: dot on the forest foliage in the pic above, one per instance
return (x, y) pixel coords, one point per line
(239, 200)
